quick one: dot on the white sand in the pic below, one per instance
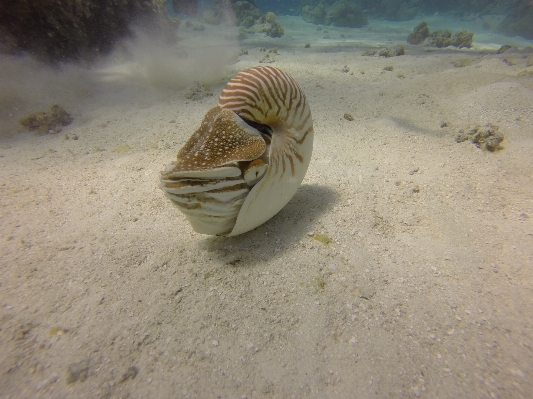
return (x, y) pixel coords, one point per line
(426, 290)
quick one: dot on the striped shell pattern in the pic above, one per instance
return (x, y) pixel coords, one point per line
(247, 158)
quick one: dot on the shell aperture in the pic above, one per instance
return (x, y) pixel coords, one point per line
(248, 157)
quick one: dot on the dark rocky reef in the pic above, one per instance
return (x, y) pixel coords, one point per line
(314, 14)
(342, 13)
(65, 30)
(519, 22)
(233, 13)
(345, 13)
(244, 14)
(392, 10)
(519, 13)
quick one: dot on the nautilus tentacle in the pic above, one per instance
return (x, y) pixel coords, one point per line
(247, 159)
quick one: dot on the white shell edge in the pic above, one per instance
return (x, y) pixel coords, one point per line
(272, 192)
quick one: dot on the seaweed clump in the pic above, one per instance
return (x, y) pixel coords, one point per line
(44, 123)
(419, 34)
(388, 52)
(463, 38)
(443, 38)
(385, 52)
(440, 38)
(270, 26)
(485, 137)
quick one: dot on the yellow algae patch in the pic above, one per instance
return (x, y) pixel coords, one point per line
(324, 239)
(57, 331)
(122, 148)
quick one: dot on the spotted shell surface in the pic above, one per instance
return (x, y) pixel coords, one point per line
(248, 157)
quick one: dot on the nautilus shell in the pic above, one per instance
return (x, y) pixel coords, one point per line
(247, 158)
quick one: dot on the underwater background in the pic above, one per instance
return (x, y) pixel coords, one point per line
(401, 268)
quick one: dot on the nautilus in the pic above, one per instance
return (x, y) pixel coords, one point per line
(248, 157)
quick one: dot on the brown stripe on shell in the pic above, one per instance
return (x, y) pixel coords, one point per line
(280, 87)
(269, 96)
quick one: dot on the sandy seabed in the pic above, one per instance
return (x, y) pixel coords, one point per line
(426, 289)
